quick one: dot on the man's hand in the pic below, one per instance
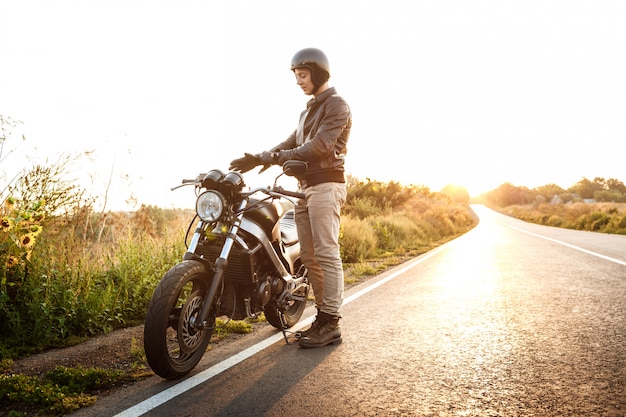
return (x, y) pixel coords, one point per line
(267, 159)
(246, 163)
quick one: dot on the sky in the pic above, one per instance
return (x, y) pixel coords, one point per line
(471, 93)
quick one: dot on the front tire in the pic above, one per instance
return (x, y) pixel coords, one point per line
(173, 347)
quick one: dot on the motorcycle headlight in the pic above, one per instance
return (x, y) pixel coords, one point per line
(210, 206)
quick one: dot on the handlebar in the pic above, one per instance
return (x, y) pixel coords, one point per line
(294, 194)
(184, 183)
(274, 191)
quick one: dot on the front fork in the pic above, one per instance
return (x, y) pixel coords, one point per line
(220, 266)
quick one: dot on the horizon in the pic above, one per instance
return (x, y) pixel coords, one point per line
(474, 94)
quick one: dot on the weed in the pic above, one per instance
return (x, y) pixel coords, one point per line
(137, 350)
(5, 364)
(92, 273)
(593, 217)
(60, 391)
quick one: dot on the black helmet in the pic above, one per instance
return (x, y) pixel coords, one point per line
(316, 61)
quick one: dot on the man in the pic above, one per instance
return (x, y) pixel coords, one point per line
(320, 140)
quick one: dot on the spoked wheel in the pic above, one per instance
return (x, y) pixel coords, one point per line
(172, 344)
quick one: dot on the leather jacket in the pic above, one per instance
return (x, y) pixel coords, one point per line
(320, 138)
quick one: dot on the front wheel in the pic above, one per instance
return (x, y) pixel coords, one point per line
(173, 346)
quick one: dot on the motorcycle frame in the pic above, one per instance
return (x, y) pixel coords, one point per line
(293, 282)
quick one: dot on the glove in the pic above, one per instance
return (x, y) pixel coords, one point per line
(267, 159)
(245, 164)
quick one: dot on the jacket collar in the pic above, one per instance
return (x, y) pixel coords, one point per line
(321, 97)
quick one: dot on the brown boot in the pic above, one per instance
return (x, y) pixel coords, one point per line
(304, 333)
(327, 332)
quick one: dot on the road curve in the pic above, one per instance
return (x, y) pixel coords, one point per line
(511, 319)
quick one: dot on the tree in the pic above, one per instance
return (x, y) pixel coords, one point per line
(586, 188)
(508, 194)
(457, 193)
(49, 183)
(548, 191)
(615, 185)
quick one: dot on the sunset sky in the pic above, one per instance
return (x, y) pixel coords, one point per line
(474, 93)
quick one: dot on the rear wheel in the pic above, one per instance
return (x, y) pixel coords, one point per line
(173, 346)
(291, 311)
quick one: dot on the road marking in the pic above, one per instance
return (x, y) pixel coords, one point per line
(189, 383)
(560, 242)
(195, 380)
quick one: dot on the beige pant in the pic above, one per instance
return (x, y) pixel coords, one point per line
(317, 220)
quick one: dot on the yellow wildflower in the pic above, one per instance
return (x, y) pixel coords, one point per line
(5, 224)
(12, 261)
(35, 229)
(27, 241)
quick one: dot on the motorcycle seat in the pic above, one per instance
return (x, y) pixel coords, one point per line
(288, 232)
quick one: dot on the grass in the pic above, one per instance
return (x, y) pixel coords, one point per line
(66, 389)
(58, 392)
(592, 217)
(83, 280)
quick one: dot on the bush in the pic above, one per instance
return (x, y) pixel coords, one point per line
(554, 221)
(593, 217)
(70, 296)
(61, 391)
(398, 232)
(91, 273)
(358, 240)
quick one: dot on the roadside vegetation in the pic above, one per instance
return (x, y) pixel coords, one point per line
(597, 205)
(69, 271)
(57, 393)
(67, 277)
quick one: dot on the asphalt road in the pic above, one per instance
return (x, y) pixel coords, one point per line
(511, 319)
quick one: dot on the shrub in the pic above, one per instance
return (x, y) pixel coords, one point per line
(91, 273)
(61, 391)
(358, 240)
(555, 221)
(594, 217)
(397, 232)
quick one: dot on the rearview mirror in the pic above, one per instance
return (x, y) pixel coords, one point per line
(294, 168)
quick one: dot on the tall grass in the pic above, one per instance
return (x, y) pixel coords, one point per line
(74, 288)
(593, 217)
(92, 273)
(383, 219)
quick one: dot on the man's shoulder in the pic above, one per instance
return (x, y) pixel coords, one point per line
(335, 100)
(330, 96)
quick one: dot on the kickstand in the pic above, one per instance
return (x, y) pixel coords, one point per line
(285, 331)
(286, 334)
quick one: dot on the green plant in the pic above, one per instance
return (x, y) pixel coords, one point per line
(80, 379)
(137, 350)
(596, 217)
(20, 224)
(91, 273)
(224, 328)
(357, 240)
(60, 391)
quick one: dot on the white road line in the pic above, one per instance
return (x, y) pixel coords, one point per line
(191, 382)
(578, 248)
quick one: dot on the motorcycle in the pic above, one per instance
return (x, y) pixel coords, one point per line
(242, 260)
